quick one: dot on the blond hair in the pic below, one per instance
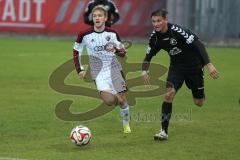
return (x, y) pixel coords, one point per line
(101, 8)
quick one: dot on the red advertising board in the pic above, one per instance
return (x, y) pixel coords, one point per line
(66, 16)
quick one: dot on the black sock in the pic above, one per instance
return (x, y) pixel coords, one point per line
(166, 115)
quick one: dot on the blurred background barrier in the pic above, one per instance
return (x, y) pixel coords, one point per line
(66, 16)
(213, 20)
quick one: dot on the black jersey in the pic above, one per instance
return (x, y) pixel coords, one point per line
(186, 51)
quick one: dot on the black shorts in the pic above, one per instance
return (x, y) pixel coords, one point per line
(194, 81)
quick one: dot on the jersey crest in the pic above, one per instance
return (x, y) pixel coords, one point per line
(108, 38)
(173, 41)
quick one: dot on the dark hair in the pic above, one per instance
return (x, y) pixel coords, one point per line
(161, 12)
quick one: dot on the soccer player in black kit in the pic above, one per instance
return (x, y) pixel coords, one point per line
(188, 57)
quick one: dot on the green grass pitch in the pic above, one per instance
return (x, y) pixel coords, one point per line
(30, 130)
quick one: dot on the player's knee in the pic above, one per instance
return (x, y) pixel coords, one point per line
(169, 96)
(199, 102)
(110, 102)
(108, 98)
(121, 102)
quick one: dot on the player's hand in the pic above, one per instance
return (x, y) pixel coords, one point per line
(110, 47)
(146, 78)
(212, 71)
(82, 74)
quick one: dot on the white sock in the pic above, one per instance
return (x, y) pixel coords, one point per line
(124, 112)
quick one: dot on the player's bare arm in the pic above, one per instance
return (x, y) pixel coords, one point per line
(213, 72)
(82, 74)
(144, 74)
(145, 78)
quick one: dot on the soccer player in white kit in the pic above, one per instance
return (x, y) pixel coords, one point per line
(103, 46)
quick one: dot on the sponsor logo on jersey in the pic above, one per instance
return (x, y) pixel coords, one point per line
(175, 51)
(98, 48)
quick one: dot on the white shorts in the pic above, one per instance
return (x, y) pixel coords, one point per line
(113, 83)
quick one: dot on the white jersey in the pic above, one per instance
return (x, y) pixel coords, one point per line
(101, 61)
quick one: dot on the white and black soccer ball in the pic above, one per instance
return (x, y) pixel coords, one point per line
(80, 135)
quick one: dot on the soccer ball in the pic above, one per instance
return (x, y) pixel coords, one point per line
(80, 135)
